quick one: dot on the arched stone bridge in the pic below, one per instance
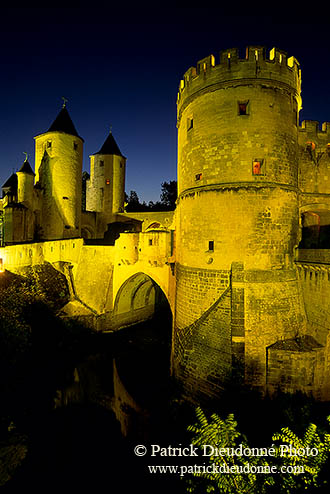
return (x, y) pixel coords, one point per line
(114, 285)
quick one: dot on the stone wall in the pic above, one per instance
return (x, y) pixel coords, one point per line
(196, 291)
(202, 354)
(256, 226)
(274, 311)
(315, 285)
(296, 365)
(314, 158)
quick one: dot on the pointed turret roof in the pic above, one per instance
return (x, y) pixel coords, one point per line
(26, 168)
(10, 185)
(110, 146)
(63, 123)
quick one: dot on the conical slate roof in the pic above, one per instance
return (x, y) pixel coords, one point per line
(110, 147)
(11, 183)
(63, 123)
(26, 168)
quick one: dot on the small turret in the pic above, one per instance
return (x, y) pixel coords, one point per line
(25, 183)
(110, 146)
(9, 189)
(106, 188)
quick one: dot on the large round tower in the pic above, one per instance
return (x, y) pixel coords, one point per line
(237, 216)
(58, 168)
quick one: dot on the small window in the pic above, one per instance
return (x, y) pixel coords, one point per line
(66, 198)
(243, 107)
(101, 163)
(310, 146)
(75, 146)
(211, 245)
(150, 241)
(190, 123)
(198, 176)
(258, 167)
(107, 181)
(49, 144)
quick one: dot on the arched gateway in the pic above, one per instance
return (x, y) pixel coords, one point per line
(138, 299)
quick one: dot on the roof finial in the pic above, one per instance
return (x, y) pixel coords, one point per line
(110, 129)
(26, 156)
(65, 100)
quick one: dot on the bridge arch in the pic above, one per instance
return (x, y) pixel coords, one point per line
(87, 232)
(138, 299)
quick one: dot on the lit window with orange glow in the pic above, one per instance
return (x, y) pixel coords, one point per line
(257, 167)
(107, 181)
(198, 176)
(310, 146)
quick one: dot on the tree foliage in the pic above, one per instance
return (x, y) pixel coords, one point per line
(169, 193)
(167, 199)
(33, 340)
(288, 469)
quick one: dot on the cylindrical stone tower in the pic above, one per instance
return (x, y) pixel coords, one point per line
(58, 168)
(106, 187)
(237, 216)
(25, 183)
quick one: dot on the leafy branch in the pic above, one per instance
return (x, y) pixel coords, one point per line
(294, 465)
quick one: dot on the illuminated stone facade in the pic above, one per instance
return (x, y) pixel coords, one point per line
(248, 175)
(253, 185)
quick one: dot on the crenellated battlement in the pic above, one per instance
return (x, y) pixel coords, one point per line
(257, 64)
(313, 131)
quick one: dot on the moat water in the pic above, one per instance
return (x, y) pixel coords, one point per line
(81, 445)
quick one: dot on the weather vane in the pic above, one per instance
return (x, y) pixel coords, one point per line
(65, 100)
(26, 155)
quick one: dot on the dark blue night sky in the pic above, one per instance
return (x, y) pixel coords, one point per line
(121, 68)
